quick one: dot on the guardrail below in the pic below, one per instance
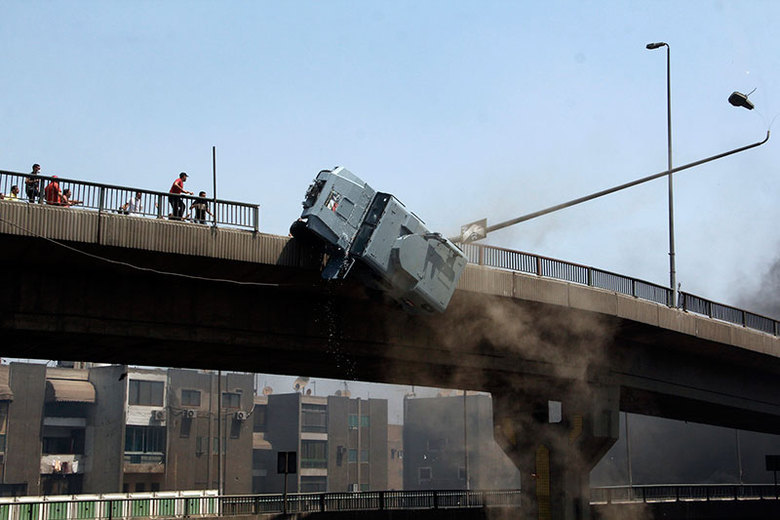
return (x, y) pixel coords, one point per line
(183, 504)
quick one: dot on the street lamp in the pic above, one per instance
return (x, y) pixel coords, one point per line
(738, 100)
(672, 272)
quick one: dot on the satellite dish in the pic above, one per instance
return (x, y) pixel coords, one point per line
(267, 390)
(300, 383)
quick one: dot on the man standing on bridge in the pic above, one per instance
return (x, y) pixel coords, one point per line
(175, 196)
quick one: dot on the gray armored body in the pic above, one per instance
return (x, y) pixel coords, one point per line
(373, 235)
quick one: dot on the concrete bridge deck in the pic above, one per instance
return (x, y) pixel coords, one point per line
(85, 285)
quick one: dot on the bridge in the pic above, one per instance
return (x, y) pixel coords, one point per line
(95, 284)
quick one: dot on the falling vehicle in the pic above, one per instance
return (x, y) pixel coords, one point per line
(373, 236)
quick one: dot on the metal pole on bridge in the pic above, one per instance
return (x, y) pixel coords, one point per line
(214, 171)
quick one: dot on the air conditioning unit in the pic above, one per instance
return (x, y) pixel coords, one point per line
(240, 416)
(158, 415)
(189, 414)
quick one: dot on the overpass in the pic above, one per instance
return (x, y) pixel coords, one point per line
(107, 287)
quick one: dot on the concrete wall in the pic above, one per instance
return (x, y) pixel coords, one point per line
(377, 437)
(189, 458)
(434, 438)
(338, 465)
(284, 434)
(25, 422)
(106, 433)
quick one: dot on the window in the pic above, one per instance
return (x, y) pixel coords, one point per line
(364, 421)
(190, 398)
(235, 429)
(144, 439)
(424, 474)
(63, 441)
(146, 393)
(201, 445)
(352, 456)
(461, 473)
(260, 418)
(314, 454)
(353, 421)
(3, 422)
(363, 455)
(231, 400)
(314, 418)
(145, 444)
(363, 487)
(314, 484)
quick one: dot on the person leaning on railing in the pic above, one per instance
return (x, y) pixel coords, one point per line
(52, 192)
(132, 206)
(66, 201)
(32, 184)
(13, 195)
(200, 208)
(175, 196)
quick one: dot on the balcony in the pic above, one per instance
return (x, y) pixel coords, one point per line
(63, 464)
(136, 462)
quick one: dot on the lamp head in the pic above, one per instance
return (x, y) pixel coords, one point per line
(656, 45)
(738, 99)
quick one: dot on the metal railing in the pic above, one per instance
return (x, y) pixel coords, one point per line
(106, 198)
(682, 493)
(501, 258)
(184, 504)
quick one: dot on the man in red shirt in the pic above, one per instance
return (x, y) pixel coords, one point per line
(52, 192)
(175, 196)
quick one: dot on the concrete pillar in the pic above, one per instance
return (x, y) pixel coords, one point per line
(555, 435)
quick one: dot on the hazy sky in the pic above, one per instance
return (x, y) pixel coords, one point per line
(462, 109)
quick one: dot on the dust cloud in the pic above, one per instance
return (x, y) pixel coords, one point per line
(766, 299)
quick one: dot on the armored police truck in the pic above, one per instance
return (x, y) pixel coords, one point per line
(372, 235)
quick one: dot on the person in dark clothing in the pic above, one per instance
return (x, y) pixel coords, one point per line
(32, 184)
(200, 208)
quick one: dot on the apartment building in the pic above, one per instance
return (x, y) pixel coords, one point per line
(436, 446)
(113, 428)
(341, 443)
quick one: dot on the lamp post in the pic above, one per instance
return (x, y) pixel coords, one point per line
(672, 271)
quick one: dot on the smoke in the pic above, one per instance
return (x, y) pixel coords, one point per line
(567, 341)
(765, 300)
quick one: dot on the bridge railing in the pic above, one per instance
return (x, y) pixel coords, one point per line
(682, 493)
(106, 198)
(183, 504)
(529, 263)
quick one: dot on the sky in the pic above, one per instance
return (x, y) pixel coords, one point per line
(463, 110)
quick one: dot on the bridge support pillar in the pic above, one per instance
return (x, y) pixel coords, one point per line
(555, 440)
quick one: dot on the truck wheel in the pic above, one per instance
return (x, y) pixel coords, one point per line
(299, 230)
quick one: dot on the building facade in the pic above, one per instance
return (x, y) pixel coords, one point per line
(115, 429)
(439, 453)
(341, 443)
